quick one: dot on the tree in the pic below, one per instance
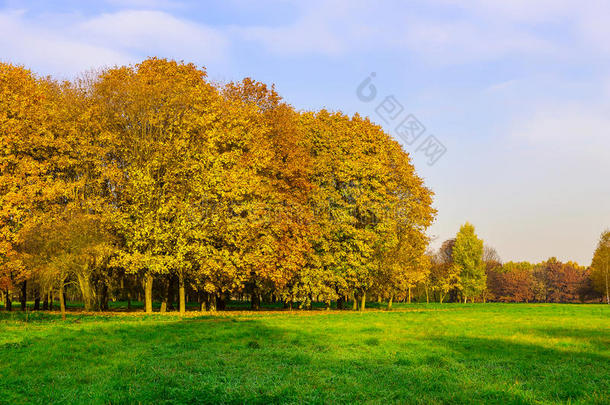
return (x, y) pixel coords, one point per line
(560, 282)
(150, 173)
(600, 267)
(280, 223)
(444, 275)
(26, 156)
(153, 115)
(493, 263)
(512, 282)
(468, 259)
(369, 205)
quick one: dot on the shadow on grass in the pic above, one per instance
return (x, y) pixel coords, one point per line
(247, 360)
(599, 339)
(547, 374)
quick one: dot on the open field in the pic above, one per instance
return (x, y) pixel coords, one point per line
(454, 353)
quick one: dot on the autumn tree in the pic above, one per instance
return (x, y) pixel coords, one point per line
(368, 202)
(153, 116)
(444, 275)
(493, 263)
(43, 163)
(279, 220)
(512, 282)
(559, 282)
(149, 172)
(25, 141)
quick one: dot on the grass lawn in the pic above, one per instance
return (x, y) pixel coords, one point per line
(451, 353)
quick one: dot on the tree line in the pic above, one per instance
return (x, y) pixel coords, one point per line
(492, 280)
(151, 181)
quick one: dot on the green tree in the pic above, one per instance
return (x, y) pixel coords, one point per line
(600, 268)
(468, 260)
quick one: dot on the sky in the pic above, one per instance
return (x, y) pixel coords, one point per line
(516, 93)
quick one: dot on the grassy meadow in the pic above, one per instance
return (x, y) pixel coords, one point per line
(452, 353)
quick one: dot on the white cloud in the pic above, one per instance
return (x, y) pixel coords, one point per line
(155, 33)
(109, 39)
(580, 131)
(517, 10)
(459, 42)
(147, 4)
(583, 24)
(54, 52)
(338, 27)
(320, 29)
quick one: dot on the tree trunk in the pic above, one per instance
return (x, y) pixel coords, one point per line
(45, 302)
(103, 297)
(607, 291)
(165, 293)
(24, 292)
(255, 302)
(148, 288)
(62, 299)
(182, 295)
(85, 288)
(340, 302)
(427, 295)
(212, 302)
(171, 293)
(355, 306)
(204, 301)
(8, 304)
(409, 299)
(363, 302)
(390, 301)
(221, 302)
(37, 300)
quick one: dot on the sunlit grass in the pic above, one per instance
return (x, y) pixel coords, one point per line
(454, 353)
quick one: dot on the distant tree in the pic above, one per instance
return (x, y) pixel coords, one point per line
(445, 253)
(491, 256)
(444, 276)
(468, 259)
(493, 263)
(514, 282)
(600, 268)
(562, 282)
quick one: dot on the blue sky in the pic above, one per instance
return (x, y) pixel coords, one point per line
(517, 91)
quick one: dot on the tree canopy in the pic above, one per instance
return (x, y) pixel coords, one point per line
(149, 176)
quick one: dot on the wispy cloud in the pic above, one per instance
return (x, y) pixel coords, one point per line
(107, 39)
(51, 50)
(149, 33)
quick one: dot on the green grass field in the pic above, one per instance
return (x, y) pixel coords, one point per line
(453, 353)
